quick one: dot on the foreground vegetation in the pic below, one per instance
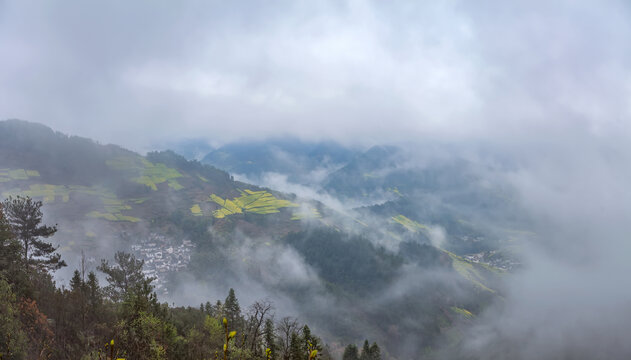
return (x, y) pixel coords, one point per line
(124, 319)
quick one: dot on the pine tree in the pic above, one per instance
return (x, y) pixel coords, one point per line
(94, 293)
(296, 351)
(5, 228)
(232, 311)
(24, 217)
(76, 284)
(375, 352)
(351, 352)
(208, 308)
(310, 342)
(78, 293)
(125, 277)
(365, 355)
(218, 311)
(9, 247)
(270, 339)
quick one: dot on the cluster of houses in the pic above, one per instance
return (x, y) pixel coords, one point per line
(162, 257)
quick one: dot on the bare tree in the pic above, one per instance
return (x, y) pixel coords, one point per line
(286, 328)
(257, 313)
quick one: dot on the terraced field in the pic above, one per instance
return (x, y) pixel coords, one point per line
(196, 210)
(464, 312)
(7, 175)
(46, 192)
(312, 213)
(255, 202)
(396, 191)
(117, 216)
(409, 224)
(469, 271)
(111, 206)
(147, 173)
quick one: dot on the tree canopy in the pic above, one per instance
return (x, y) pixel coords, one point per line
(24, 216)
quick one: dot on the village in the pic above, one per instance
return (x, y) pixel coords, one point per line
(162, 257)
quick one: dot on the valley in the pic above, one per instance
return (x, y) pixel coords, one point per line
(193, 222)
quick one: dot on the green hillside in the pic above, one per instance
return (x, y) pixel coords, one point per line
(104, 197)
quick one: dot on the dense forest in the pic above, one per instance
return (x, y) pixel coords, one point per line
(124, 319)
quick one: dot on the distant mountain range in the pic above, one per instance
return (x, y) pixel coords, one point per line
(292, 157)
(386, 181)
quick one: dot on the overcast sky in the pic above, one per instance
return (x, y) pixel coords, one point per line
(137, 73)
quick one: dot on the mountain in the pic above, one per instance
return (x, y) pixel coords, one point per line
(389, 169)
(296, 159)
(104, 194)
(191, 149)
(371, 272)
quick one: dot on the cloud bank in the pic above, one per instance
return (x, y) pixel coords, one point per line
(355, 71)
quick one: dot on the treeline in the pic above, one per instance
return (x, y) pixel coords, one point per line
(124, 319)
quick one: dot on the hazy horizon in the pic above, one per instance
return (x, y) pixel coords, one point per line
(354, 72)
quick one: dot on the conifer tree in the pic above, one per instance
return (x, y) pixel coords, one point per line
(76, 284)
(296, 351)
(9, 246)
(125, 277)
(208, 308)
(24, 216)
(78, 292)
(94, 293)
(232, 310)
(310, 342)
(375, 352)
(365, 355)
(351, 352)
(218, 311)
(270, 338)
